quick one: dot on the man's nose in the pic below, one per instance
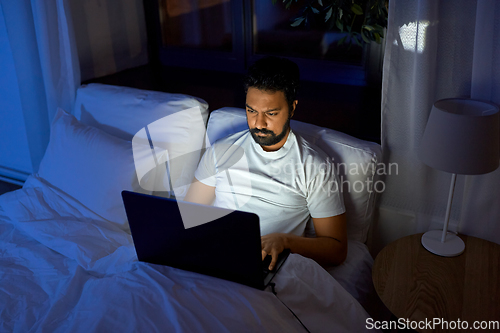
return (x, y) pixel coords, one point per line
(260, 121)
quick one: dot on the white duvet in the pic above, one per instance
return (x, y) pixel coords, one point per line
(65, 269)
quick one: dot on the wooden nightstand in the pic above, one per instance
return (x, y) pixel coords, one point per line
(418, 285)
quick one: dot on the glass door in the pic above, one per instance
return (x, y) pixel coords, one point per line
(315, 49)
(205, 34)
(229, 35)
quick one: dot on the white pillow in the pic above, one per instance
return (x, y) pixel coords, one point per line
(123, 111)
(360, 157)
(175, 122)
(90, 165)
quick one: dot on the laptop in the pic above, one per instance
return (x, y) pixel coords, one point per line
(228, 247)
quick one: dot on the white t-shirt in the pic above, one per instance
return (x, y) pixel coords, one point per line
(284, 187)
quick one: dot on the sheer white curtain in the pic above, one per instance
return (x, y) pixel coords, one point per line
(45, 70)
(110, 35)
(58, 53)
(41, 54)
(435, 49)
(104, 36)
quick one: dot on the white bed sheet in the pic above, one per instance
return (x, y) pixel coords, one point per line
(62, 268)
(355, 273)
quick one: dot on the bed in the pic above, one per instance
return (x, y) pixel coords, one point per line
(67, 261)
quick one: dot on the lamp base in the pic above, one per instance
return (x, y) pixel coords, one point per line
(453, 245)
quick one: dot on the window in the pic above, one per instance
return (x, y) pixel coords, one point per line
(228, 35)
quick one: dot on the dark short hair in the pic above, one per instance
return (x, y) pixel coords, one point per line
(274, 74)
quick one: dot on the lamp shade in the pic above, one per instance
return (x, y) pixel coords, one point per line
(462, 137)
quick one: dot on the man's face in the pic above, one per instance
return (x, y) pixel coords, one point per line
(268, 118)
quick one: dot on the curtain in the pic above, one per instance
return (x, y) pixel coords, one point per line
(57, 52)
(435, 50)
(47, 40)
(46, 69)
(110, 36)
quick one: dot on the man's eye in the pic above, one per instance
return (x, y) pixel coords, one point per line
(272, 114)
(251, 111)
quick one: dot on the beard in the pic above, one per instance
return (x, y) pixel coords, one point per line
(271, 138)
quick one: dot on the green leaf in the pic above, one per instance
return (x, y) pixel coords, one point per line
(357, 41)
(330, 25)
(356, 9)
(377, 38)
(340, 25)
(297, 22)
(349, 28)
(315, 11)
(364, 37)
(288, 5)
(368, 27)
(340, 13)
(328, 14)
(320, 3)
(342, 40)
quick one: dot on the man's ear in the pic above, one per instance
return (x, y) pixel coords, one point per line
(294, 105)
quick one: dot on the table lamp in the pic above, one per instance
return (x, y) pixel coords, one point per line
(461, 137)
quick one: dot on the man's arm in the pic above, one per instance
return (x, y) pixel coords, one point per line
(200, 193)
(329, 247)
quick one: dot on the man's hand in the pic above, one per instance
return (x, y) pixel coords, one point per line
(329, 247)
(273, 244)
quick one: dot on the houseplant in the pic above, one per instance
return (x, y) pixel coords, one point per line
(363, 20)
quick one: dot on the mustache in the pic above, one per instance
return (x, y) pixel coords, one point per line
(263, 131)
